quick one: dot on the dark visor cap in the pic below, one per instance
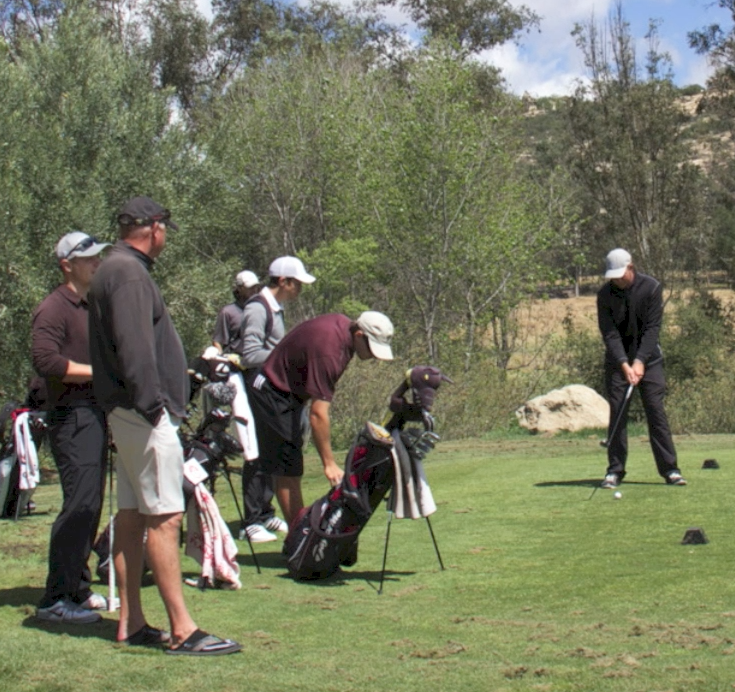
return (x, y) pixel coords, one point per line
(143, 211)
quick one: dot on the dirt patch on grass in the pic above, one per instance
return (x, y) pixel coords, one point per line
(449, 649)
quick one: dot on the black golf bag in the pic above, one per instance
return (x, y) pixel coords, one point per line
(211, 446)
(324, 535)
(210, 442)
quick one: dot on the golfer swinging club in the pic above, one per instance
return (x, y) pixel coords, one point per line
(629, 312)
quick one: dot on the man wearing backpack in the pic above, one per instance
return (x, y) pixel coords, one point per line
(262, 329)
(226, 337)
(77, 432)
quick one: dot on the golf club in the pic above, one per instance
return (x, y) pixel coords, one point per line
(614, 428)
(111, 599)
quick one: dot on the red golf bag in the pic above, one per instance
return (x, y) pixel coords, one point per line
(324, 535)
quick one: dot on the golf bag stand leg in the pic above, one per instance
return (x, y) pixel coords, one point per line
(242, 518)
(436, 546)
(385, 552)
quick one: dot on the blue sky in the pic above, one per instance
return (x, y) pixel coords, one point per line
(548, 63)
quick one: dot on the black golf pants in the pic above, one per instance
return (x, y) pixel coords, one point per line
(78, 439)
(257, 493)
(652, 389)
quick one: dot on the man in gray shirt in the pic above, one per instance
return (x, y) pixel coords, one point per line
(226, 337)
(262, 328)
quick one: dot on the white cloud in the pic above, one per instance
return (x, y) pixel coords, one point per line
(205, 7)
(698, 71)
(547, 62)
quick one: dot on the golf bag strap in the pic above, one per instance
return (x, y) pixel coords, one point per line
(258, 298)
(315, 517)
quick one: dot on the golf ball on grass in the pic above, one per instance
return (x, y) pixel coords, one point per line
(618, 495)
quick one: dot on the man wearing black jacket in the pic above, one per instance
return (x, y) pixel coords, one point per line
(629, 313)
(140, 381)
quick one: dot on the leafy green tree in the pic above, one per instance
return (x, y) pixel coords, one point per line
(460, 226)
(280, 138)
(471, 25)
(248, 31)
(630, 155)
(179, 47)
(81, 129)
(717, 42)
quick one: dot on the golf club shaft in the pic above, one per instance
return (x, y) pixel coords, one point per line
(616, 424)
(111, 600)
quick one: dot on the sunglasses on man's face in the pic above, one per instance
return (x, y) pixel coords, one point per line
(82, 245)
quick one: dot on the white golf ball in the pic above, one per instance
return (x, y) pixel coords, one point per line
(618, 495)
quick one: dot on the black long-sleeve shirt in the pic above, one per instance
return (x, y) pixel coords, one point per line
(138, 359)
(630, 320)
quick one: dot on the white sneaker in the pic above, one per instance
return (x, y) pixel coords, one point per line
(68, 612)
(675, 478)
(612, 480)
(95, 602)
(257, 533)
(276, 524)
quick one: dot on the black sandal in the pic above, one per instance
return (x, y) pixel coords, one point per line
(200, 643)
(148, 636)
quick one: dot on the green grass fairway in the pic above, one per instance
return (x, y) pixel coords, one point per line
(547, 587)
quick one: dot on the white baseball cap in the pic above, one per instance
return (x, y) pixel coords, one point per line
(290, 268)
(616, 262)
(78, 244)
(379, 331)
(247, 279)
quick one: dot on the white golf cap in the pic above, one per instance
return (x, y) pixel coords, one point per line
(247, 279)
(616, 262)
(290, 268)
(78, 244)
(379, 331)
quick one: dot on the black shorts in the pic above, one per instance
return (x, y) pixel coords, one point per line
(277, 417)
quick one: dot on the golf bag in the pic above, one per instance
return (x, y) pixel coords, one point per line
(21, 432)
(207, 449)
(325, 535)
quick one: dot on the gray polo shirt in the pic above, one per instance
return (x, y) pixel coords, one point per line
(227, 328)
(255, 346)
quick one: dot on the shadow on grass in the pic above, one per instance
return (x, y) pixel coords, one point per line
(344, 577)
(105, 629)
(269, 560)
(587, 483)
(275, 560)
(27, 597)
(20, 596)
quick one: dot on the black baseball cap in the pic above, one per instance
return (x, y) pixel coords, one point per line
(143, 211)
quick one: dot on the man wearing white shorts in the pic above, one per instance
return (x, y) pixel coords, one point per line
(140, 381)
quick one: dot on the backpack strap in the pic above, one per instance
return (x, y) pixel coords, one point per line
(258, 298)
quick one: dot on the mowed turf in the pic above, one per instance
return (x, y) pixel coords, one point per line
(548, 586)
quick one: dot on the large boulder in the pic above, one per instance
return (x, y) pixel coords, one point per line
(574, 407)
